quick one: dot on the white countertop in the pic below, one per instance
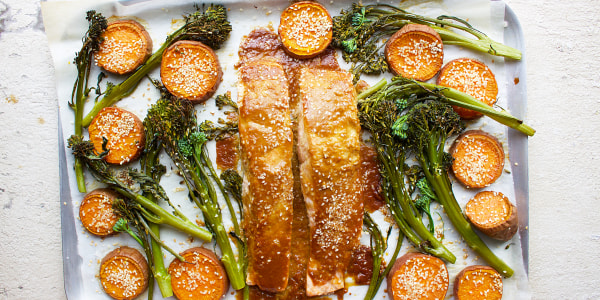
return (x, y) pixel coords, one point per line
(563, 80)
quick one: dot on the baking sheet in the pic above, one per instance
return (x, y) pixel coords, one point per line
(65, 25)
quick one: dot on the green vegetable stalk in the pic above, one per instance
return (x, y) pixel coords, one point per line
(151, 166)
(378, 246)
(84, 61)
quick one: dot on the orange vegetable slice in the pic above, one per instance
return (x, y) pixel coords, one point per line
(125, 47)
(305, 29)
(418, 276)
(415, 51)
(190, 70)
(200, 276)
(472, 77)
(478, 158)
(96, 212)
(124, 133)
(124, 273)
(493, 214)
(478, 282)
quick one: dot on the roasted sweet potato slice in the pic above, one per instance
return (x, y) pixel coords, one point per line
(415, 51)
(478, 158)
(493, 214)
(126, 45)
(478, 282)
(305, 29)
(472, 77)
(124, 133)
(418, 276)
(190, 70)
(200, 276)
(124, 273)
(96, 212)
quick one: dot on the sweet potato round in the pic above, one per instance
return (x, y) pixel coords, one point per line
(305, 29)
(478, 282)
(124, 132)
(124, 273)
(96, 212)
(493, 214)
(201, 276)
(478, 158)
(418, 276)
(472, 77)
(190, 70)
(126, 45)
(415, 51)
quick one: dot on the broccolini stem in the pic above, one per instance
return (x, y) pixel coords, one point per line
(166, 218)
(215, 177)
(162, 277)
(429, 243)
(246, 293)
(484, 44)
(458, 98)
(204, 196)
(373, 89)
(79, 102)
(79, 176)
(233, 268)
(401, 223)
(126, 87)
(378, 251)
(441, 185)
(160, 272)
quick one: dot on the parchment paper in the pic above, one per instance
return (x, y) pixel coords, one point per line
(65, 25)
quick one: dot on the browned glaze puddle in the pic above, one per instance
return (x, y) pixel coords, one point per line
(371, 179)
(227, 153)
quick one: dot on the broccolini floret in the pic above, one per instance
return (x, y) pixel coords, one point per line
(174, 123)
(377, 114)
(360, 32)
(430, 124)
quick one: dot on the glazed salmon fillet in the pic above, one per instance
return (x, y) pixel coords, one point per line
(267, 149)
(329, 156)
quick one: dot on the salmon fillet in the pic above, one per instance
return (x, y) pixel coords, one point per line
(329, 156)
(267, 150)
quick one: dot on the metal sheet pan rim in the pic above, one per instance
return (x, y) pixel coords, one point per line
(518, 152)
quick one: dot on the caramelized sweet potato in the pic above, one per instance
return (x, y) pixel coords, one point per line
(96, 212)
(493, 214)
(472, 77)
(124, 133)
(478, 282)
(415, 51)
(125, 46)
(305, 29)
(418, 276)
(478, 158)
(190, 70)
(200, 276)
(124, 273)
